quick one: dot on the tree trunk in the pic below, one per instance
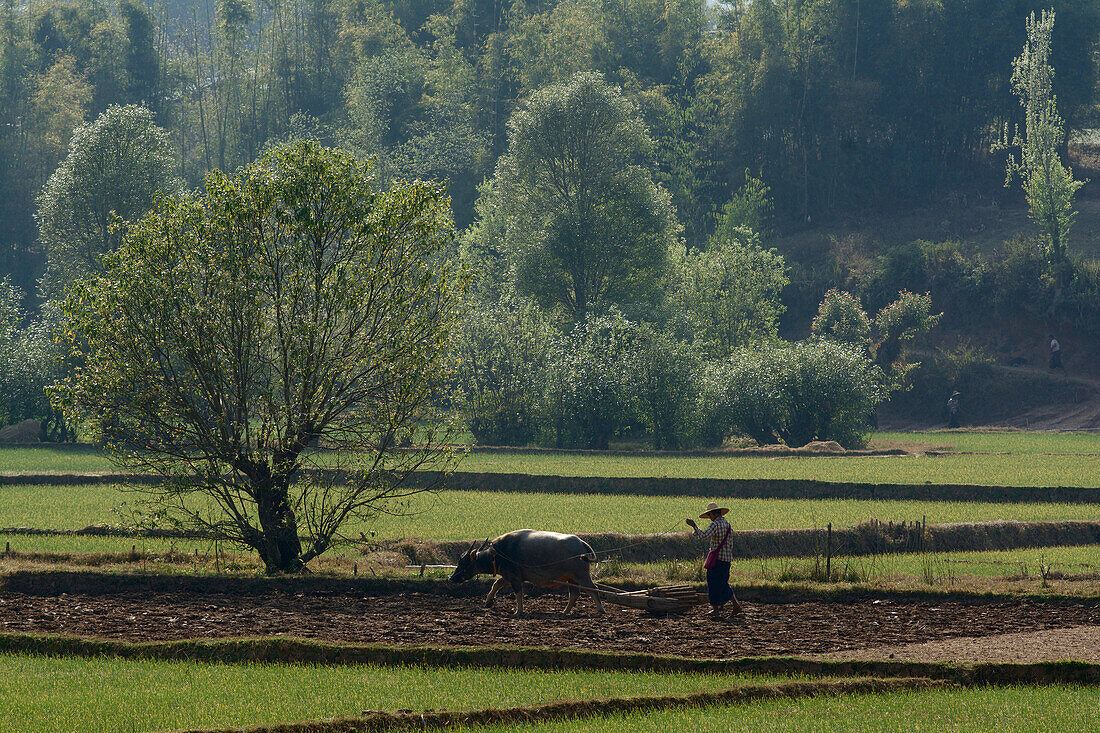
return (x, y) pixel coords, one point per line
(281, 549)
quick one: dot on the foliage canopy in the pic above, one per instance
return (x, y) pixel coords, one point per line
(116, 166)
(588, 226)
(248, 342)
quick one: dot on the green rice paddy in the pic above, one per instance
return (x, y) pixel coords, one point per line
(977, 469)
(1020, 442)
(466, 514)
(991, 459)
(104, 695)
(939, 567)
(1061, 708)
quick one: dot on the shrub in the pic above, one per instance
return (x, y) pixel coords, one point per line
(664, 376)
(589, 387)
(501, 352)
(802, 392)
(896, 325)
(841, 318)
(737, 398)
(828, 392)
(30, 361)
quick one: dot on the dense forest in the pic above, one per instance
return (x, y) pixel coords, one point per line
(832, 104)
(616, 172)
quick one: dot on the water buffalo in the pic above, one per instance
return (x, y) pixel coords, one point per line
(546, 559)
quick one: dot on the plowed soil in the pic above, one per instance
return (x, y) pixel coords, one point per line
(813, 627)
(1081, 644)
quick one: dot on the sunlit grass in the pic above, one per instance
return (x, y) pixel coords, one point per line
(469, 514)
(1023, 562)
(51, 459)
(57, 695)
(1005, 442)
(1062, 708)
(979, 469)
(1033, 459)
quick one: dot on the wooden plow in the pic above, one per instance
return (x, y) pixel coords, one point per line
(663, 599)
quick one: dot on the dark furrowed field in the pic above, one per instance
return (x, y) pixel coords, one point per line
(446, 615)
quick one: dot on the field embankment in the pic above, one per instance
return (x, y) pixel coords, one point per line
(870, 538)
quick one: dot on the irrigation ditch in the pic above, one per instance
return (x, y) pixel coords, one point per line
(867, 538)
(106, 584)
(758, 488)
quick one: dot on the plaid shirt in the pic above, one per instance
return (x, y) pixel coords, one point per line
(716, 532)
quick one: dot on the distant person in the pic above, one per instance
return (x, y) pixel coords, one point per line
(953, 410)
(1055, 353)
(718, 561)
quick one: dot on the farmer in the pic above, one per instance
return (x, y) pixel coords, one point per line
(953, 410)
(718, 559)
(1055, 353)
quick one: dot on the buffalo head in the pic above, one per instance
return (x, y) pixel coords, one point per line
(475, 561)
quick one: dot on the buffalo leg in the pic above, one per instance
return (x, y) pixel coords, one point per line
(518, 588)
(595, 594)
(491, 598)
(600, 603)
(573, 595)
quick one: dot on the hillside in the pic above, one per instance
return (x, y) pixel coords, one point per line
(1017, 390)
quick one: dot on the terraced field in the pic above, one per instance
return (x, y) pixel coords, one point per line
(466, 514)
(1070, 709)
(981, 469)
(989, 459)
(51, 694)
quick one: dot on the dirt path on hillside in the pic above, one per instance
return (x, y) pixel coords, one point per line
(813, 627)
(1080, 643)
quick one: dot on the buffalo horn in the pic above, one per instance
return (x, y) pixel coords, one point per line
(484, 544)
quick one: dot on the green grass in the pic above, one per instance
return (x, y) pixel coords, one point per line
(54, 695)
(940, 566)
(981, 469)
(70, 459)
(66, 544)
(1026, 443)
(1004, 459)
(469, 514)
(1062, 708)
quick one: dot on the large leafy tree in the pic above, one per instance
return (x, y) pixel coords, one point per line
(116, 166)
(728, 294)
(588, 228)
(266, 347)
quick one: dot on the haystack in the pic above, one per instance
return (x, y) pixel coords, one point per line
(28, 431)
